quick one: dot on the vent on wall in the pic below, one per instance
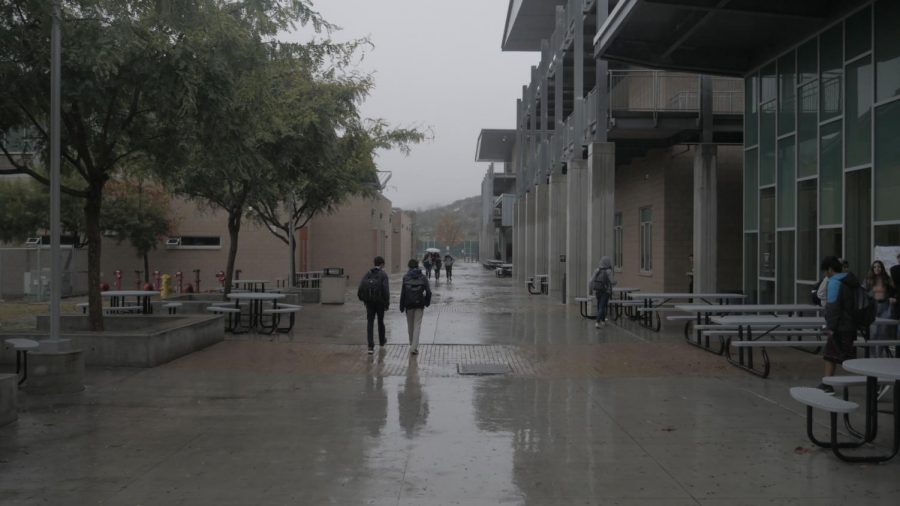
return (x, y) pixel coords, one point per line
(173, 242)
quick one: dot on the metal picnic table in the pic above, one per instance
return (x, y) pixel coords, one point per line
(703, 313)
(652, 302)
(615, 312)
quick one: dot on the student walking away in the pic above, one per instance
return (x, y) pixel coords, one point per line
(448, 266)
(879, 286)
(415, 296)
(426, 262)
(375, 292)
(602, 283)
(436, 261)
(848, 309)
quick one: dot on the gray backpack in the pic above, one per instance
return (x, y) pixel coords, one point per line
(601, 282)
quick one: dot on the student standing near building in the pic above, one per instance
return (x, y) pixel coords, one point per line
(448, 266)
(840, 319)
(374, 290)
(880, 287)
(602, 283)
(415, 296)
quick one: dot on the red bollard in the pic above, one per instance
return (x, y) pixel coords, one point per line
(118, 281)
(237, 274)
(179, 277)
(221, 277)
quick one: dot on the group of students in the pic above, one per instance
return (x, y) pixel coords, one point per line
(415, 296)
(432, 261)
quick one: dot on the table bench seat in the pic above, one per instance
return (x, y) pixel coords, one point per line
(776, 344)
(815, 398)
(22, 346)
(276, 313)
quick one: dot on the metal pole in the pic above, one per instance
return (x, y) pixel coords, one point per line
(55, 264)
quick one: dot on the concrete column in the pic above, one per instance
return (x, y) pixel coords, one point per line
(556, 232)
(576, 230)
(528, 247)
(542, 196)
(518, 239)
(601, 173)
(705, 218)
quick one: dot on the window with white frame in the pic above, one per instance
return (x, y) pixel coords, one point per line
(646, 215)
(617, 243)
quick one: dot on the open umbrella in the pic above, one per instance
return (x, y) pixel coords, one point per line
(432, 250)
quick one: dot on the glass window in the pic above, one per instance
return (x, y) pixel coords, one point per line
(859, 33)
(751, 189)
(767, 233)
(766, 292)
(646, 215)
(787, 177)
(808, 130)
(832, 175)
(887, 162)
(887, 50)
(767, 144)
(859, 113)
(750, 85)
(768, 84)
(785, 267)
(786, 92)
(831, 60)
(808, 61)
(831, 242)
(750, 268)
(807, 225)
(804, 293)
(887, 235)
(617, 242)
(858, 219)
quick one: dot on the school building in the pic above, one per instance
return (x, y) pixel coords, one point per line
(613, 159)
(821, 124)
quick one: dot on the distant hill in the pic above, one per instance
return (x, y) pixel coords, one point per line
(466, 211)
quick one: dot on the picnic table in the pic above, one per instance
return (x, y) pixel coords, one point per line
(255, 302)
(874, 369)
(703, 313)
(251, 285)
(742, 327)
(118, 300)
(616, 305)
(652, 303)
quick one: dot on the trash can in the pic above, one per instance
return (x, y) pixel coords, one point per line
(333, 286)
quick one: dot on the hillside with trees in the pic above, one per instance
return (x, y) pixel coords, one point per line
(457, 222)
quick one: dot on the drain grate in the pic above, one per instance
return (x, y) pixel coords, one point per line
(482, 369)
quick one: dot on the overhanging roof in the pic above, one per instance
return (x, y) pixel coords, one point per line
(527, 23)
(495, 145)
(728, 37)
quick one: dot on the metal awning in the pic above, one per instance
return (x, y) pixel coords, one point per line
(728, 37)
(527, 23)
(495, 145)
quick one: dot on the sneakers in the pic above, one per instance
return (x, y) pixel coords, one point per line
(599, 325)
(371, 351)
(826, 388)
(414, 352)
(382, 343)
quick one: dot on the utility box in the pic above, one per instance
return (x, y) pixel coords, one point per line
(333, 286)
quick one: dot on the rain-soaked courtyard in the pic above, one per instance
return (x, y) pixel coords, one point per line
(620, 415)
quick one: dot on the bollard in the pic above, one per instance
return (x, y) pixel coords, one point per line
(179, 284)
(118, 281)
(158, 278)
(221, 277)
(237, 274)
(197, 280)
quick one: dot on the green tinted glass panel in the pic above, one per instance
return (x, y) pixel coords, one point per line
(831, 60)
(887, 49)
(750, 270)
(807, 225)
(767, 233)
(808, 130)
(751, 186)
(766, 292)
(831, 175)
(787, 176)
(767, 144)
(887, 235)
(750, 85)
(831, 242)
(808, 61)
(786, 93)
(785, 281)
(859, 112)
(859, 33)
(887, 162)
(768, 84)
(858, 219)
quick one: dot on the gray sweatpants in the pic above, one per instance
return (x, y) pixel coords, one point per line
(414, 322)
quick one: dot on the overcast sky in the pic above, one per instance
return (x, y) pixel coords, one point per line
(436, 63)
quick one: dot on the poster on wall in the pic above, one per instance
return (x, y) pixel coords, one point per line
(887, 255)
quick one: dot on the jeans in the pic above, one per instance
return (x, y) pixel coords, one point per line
(414, 323)
(449, 272)
(373, 310)
(602, 304)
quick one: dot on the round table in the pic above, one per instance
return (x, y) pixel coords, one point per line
(256, 300)
(117, 298)
(872, 369)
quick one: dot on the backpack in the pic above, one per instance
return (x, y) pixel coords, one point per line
(862, 308)
(448, 262)
(601, 283)
(414, 292)
(370, 288)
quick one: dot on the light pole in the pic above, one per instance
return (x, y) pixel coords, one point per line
(54, 343)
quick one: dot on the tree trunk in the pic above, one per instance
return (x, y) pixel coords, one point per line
(94, 238)
(292, 280)
(234, 229)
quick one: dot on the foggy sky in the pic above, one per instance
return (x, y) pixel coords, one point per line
(436, 63)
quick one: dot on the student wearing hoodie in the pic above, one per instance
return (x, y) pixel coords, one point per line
(415, 296)
(601, 286)
(840, 325)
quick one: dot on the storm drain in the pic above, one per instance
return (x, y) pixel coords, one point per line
(482, 369)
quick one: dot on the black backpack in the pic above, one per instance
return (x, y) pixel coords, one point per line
(862, 307)
(414, 292)
(370, 288)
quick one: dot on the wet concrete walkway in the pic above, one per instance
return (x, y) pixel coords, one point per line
(617, 416)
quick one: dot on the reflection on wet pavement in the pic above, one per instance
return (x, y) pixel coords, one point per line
(618, 416)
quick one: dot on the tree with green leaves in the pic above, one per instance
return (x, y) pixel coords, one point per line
(139, 214)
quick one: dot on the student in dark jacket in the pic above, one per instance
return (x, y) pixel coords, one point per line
(839, 322)
(376, 304)
(415, 296)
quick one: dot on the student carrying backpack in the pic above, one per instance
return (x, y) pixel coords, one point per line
(601, 286)
(848, 309)
(375, 292)
(415, 296)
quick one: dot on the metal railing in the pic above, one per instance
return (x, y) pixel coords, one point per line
(307, 279)
(661, 91)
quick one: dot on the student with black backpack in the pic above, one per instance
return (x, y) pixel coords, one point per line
(375, 292)
(415, 296)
